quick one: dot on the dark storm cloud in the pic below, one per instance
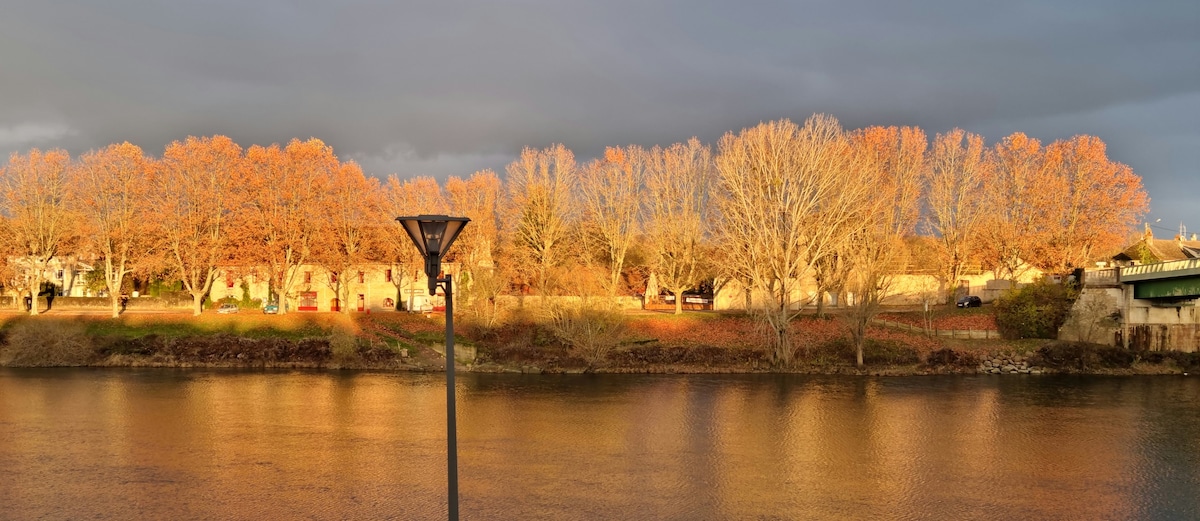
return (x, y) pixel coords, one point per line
(448, 87)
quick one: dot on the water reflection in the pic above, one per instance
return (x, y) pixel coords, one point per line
(250, 445)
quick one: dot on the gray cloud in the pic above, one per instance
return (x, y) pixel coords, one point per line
(441, 88)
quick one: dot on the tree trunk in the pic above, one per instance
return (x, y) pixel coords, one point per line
(678, 302)
(33, 303)
(197, 304)
(35, 289)
(116, 304)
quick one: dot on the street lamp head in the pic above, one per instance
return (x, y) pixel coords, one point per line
(433, 235)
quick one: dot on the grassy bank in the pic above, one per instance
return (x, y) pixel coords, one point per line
(643, 343)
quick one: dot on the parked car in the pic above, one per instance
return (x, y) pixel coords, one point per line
(969, 301)
(271, 309)
(227, 307)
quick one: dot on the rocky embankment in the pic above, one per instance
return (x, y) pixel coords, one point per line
(1008, 364)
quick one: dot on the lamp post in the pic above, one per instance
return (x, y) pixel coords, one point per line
(433, 235)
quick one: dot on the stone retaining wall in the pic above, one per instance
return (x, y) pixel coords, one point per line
(976, 334)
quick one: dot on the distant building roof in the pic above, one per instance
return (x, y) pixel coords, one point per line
(1148, 249)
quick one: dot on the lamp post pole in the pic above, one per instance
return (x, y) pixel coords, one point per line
(451, 423)
(433, 235)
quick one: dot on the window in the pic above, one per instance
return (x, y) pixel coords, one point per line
(332, 277)
(308, 277)
(60, 274)
(388, 275)
(228, 281)
(360, 277)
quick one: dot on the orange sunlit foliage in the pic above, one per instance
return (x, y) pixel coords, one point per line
(1097, 202)
(113, 187)
(287, 190)
(198, 189)
(793, 204)
(476, 198)
(416, 196)
(35, 198)
(350, 235)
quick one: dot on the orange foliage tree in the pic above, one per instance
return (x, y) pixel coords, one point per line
(113, 187)
(416, 196)
(890, 160)
(197, 191)
(1015, 197)
(351, 232)
(36, 202)
(287, 190)
(1096, 204)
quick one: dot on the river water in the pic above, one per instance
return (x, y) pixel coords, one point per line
(191, 444)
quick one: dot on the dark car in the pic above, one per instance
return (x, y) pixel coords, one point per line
(969, 301)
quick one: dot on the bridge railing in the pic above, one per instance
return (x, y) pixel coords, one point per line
(1101, 277)
(1159, 268)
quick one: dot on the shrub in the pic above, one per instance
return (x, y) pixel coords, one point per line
(1083, 356)
(343, 345)
(591, 332)
(38, 343)
(1037, 310)
(875, 352)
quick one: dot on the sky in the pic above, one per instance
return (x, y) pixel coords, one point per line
(450, 87)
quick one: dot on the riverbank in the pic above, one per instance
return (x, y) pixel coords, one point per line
(645, 343)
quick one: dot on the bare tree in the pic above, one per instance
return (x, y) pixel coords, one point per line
(113, 186)
(787, 196)
(35, 199)
(610, 190)
(540, 210)
(958, 167)
(676, 213)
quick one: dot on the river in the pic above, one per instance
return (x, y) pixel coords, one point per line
(200, 444)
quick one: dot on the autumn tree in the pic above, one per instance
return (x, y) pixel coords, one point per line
(890, 160)
(540, 213)
(478, 199)
(351, 228)
(1094, 204)
(958, 168)
(416, 196)
(787, 196)
(610, 194)
(36, 202)
(113, 189)
(676, 213)
(198, 188)
(287, 189)
(1015, 197)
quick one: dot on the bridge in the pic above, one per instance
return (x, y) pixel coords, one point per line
(1172, 280)
(1157, 303)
